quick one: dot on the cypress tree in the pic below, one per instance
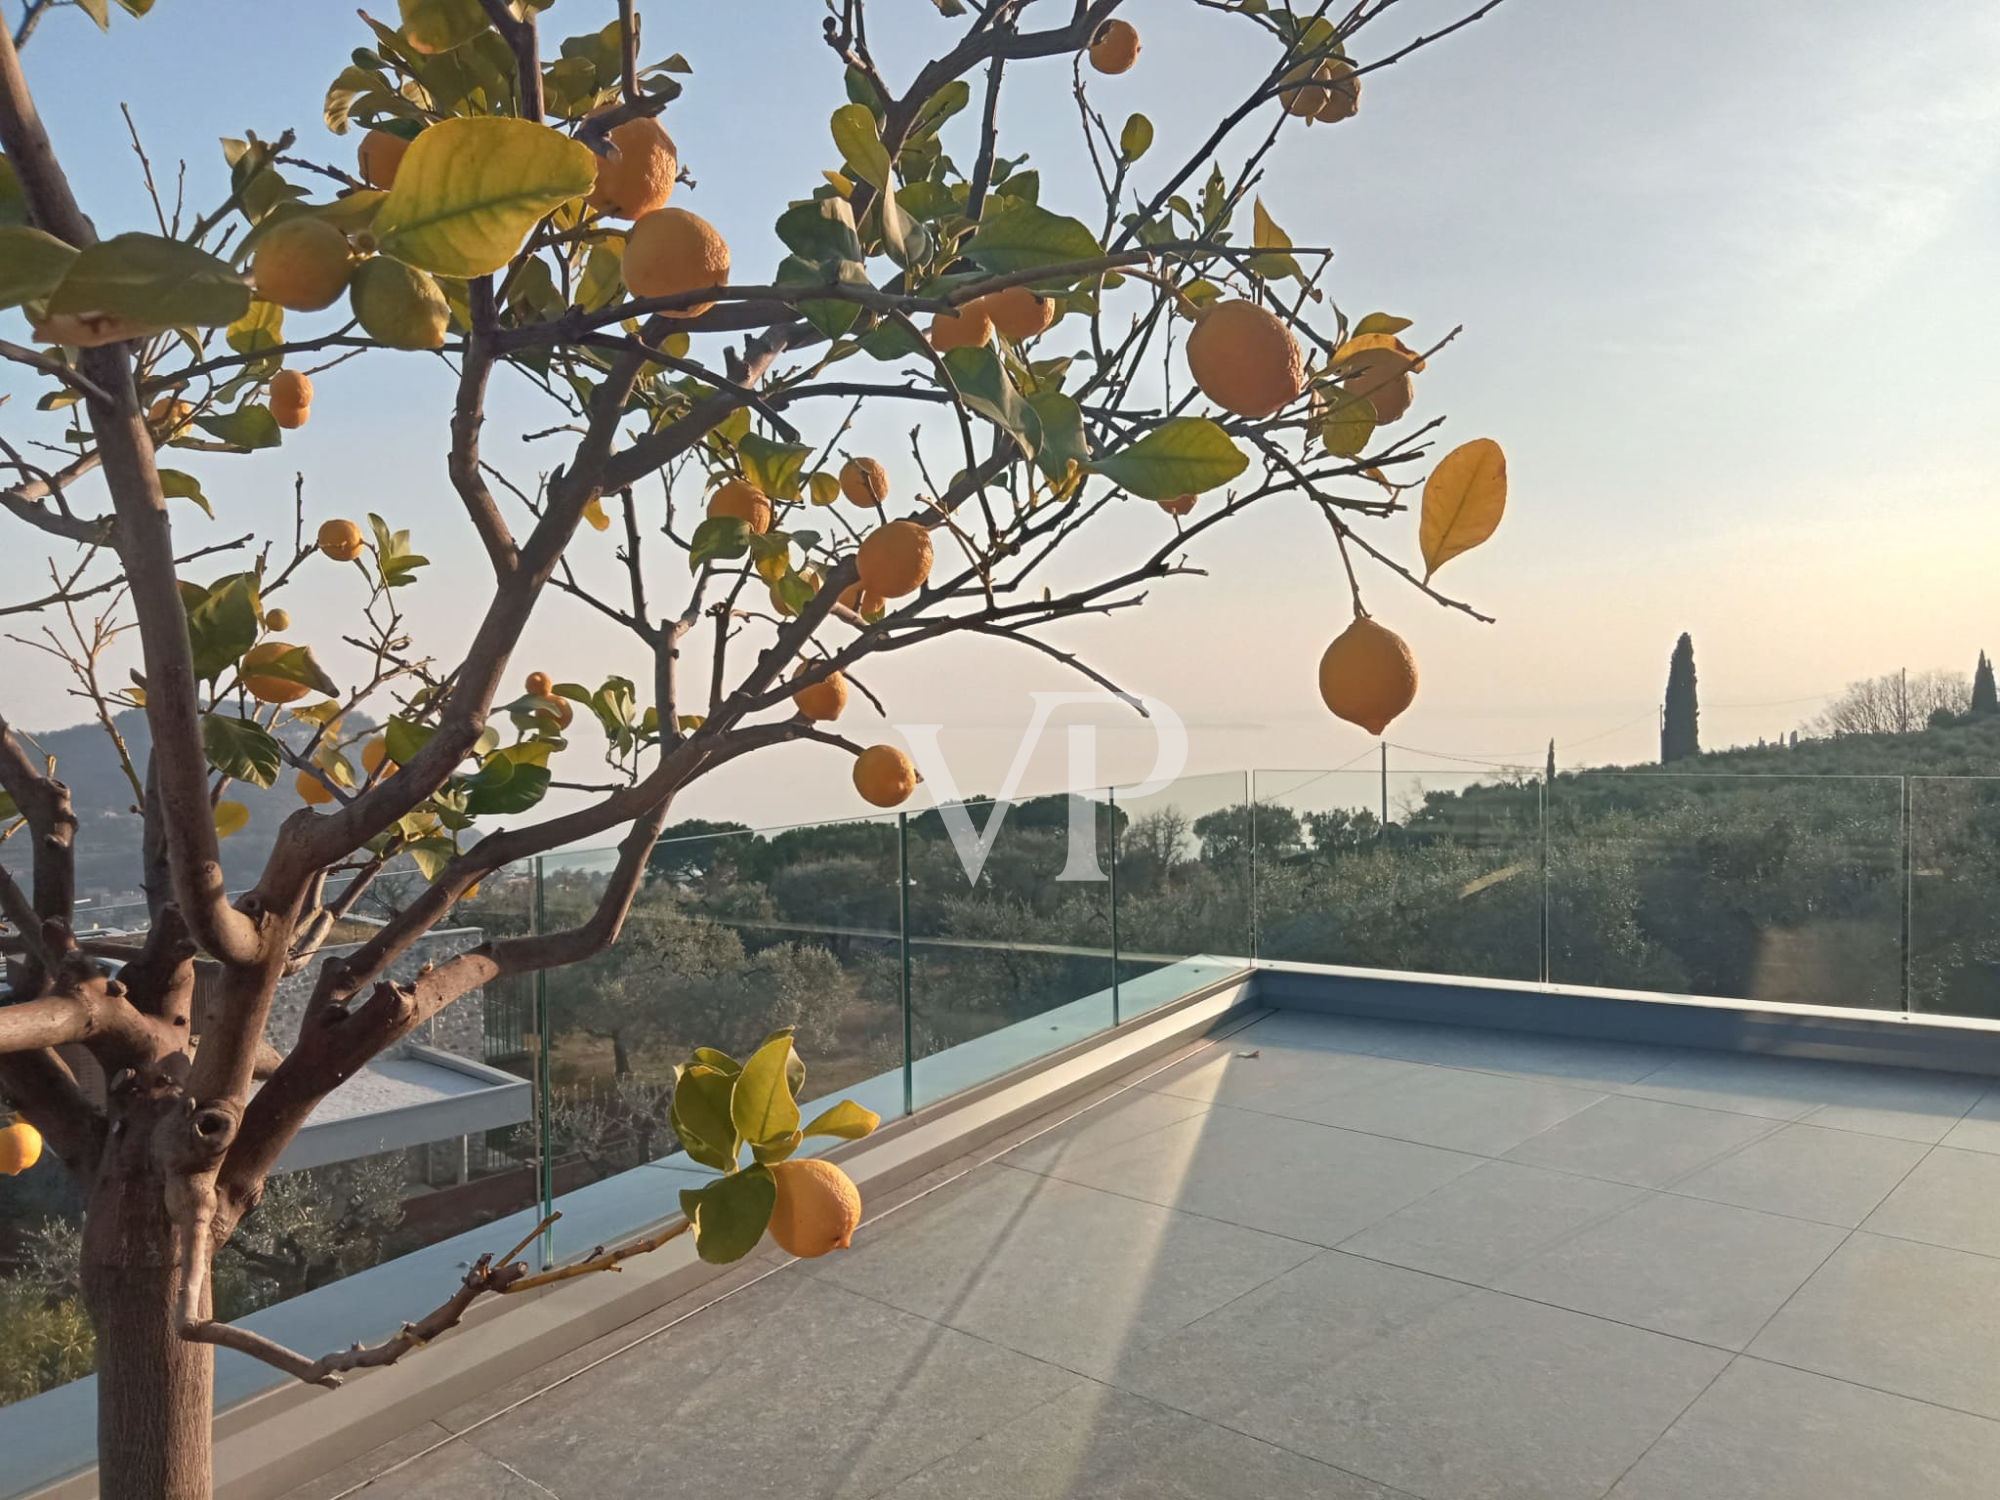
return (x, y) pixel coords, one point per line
(1549, 776)
(1984, 699)
(1679, 736)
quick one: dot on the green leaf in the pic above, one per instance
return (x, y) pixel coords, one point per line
(722, 1062)
(393, 556)
(699, 1111)
(1136, 138)
(730, 1215)
(246, 428)
(1017, 236)
(222, 622)
(241, 749)
(778, 1150)
(832, 318)
(1183, 457)
(404, 739)
(504, 788)
(469, 190)
(431, 855)
(941, 106)
(299, 665)
(179, 486)
(718, 536)
(13, 202)
(440, 25)
(261, 327)
(1378, 322)
(152, 280)
(773, 467)
(761, 1103)
(1347, 423)
(32, 264)
(982, 381)
(1063, 437)
(860, 144)
(845, 1121)
(820, 230)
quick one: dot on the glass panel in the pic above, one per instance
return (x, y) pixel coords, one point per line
(1954, 895)
(1016, 963)
(732, 936)
(1778, 888)
(1186, 867)
(1449, 883)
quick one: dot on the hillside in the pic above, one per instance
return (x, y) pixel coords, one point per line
(1969, 748)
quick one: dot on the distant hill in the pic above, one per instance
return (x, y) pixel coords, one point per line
(1970, 747)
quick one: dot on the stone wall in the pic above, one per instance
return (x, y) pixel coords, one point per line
(459, 1028)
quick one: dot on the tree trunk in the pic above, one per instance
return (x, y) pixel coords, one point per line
(621, 1060)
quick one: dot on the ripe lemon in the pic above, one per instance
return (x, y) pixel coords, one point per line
(341, 540)
(312, 791)
(1179, 506)
(864, 481)
(863, 603)
(824, 699)
(1383, 376)
(967, 328)
(276, 620)
(540, 684)
(556, 708)
(261, 685)
(21, 1148)
(638, 176)
(743, 500)
(302, 264)
(1368, 675)
(1018, 312)
(374, 754)
(291, 398)
(398, 305)
(884, 775)
(1245, 359)
(1115, 47)
(894, 560)
(818, 1208)
(168, 415)
(670, 251)
(378, 156)
(1343, 93)
(1303, 91)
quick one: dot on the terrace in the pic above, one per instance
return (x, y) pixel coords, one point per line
(1635, 1136)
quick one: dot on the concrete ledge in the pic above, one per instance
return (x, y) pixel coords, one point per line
(1950, 1044)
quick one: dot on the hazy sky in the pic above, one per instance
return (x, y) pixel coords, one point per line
(1726, 274)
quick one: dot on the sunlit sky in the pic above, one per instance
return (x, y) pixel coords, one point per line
(1726, 274)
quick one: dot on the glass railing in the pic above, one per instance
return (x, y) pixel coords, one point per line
(920, 954)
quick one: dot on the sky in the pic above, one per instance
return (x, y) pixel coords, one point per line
(1725, 274)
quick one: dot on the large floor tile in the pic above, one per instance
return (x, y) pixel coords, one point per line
(1253, 1073)
(1911, 1104)
(1917, 1320)
(1979, 1130)
(1697, 1270)
(1581, 1062)
(1101, 1444)
(1834, 1176)
(1494, 1217)
(801, 1390)
(379, 1461)
(1489, 1397)
(1641, 1141)
(1060, 1271)
(1765, 1432)
(1460, 1110)
(1273, 1173)
(1112, 1123)
(1952, 1198)
(1774, 1088)
(457, 1471)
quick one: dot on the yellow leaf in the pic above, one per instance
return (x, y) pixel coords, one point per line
(841, 184)
(1463, 501)
(1380, 322)
(825, 488)
(468, 191)
(1265, 233)
(230, 818)
(594, 514)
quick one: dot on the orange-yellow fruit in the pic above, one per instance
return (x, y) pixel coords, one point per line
(264, 687)
(1018, 312)
(818, 1208)
(670, 251)
(858, 599)
(291, 398)
(540, 684)
(276, 620)
(1115, 47)
(379, 155)
(341, 540)
(302, 264)
(825, 699)
(638, 176)
(1368, 675)
(967, 328)
(312, 791)
(168, 414)
(21, 1148)
(864, 481)
(884, 776)
(810, 577)
(743, 500)
(1179, 506)
(894, 560)
(556, 708)
(1383, 376)
(374, 754)
(1303, 91)
(1342, 91)
(1245, 359)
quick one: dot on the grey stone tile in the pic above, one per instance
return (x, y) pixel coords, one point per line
(1979, 1130)
(1911, 1104)
(1952, 1198)
(456, 1471)
(1834, 1176)
(1765, 1432)
(1775, 1088)
(350, 1476)
(1641, 1141)
(1059, 1271)
(1277, 1079)
(1918, 1320)
(1697, 1270)
(1112, 1123)
(1101, 1444)
(1494, 1217)
(859, 1396)
(1581, 1062)
(1489, 1397)
(1267, 1172)
(1460, 1110)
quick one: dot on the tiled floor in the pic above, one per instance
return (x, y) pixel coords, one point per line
(1355, 1260)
